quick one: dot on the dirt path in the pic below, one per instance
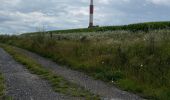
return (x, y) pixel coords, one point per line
(21, 85)
(106, 91)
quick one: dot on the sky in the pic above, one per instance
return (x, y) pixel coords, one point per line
(20, 16)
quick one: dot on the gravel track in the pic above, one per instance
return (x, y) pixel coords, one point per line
(106, 91)
(22, 85)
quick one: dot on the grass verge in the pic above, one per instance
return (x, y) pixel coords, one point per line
(2, 86)
(2, 89)
(58, 83)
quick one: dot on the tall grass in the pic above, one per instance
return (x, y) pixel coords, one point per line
(137, 62)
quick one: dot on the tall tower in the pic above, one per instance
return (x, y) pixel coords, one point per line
(91, 14)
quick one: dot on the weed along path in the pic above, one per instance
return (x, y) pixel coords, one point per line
(22, 85)
(105, 91)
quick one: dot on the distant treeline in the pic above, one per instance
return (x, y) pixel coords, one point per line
(145, 27)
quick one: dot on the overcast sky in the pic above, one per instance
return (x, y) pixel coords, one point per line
(18, 16)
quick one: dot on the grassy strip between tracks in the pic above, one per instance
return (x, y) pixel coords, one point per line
(58, 83)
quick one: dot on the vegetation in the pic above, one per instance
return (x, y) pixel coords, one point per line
(58, 83)
(146, 27)
(135, 61)
(2, 87)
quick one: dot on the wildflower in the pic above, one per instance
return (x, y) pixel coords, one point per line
(141, 67)
(112, 80)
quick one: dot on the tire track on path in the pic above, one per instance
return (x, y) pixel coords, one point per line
(106, 91)
(22, 85)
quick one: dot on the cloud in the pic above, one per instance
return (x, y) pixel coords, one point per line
(160, 2)
(17, 16)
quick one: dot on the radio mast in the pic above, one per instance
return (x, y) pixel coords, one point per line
(91, 14)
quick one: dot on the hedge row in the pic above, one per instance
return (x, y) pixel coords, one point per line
(131, 27)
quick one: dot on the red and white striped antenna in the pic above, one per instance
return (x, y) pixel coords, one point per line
(91, 14)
